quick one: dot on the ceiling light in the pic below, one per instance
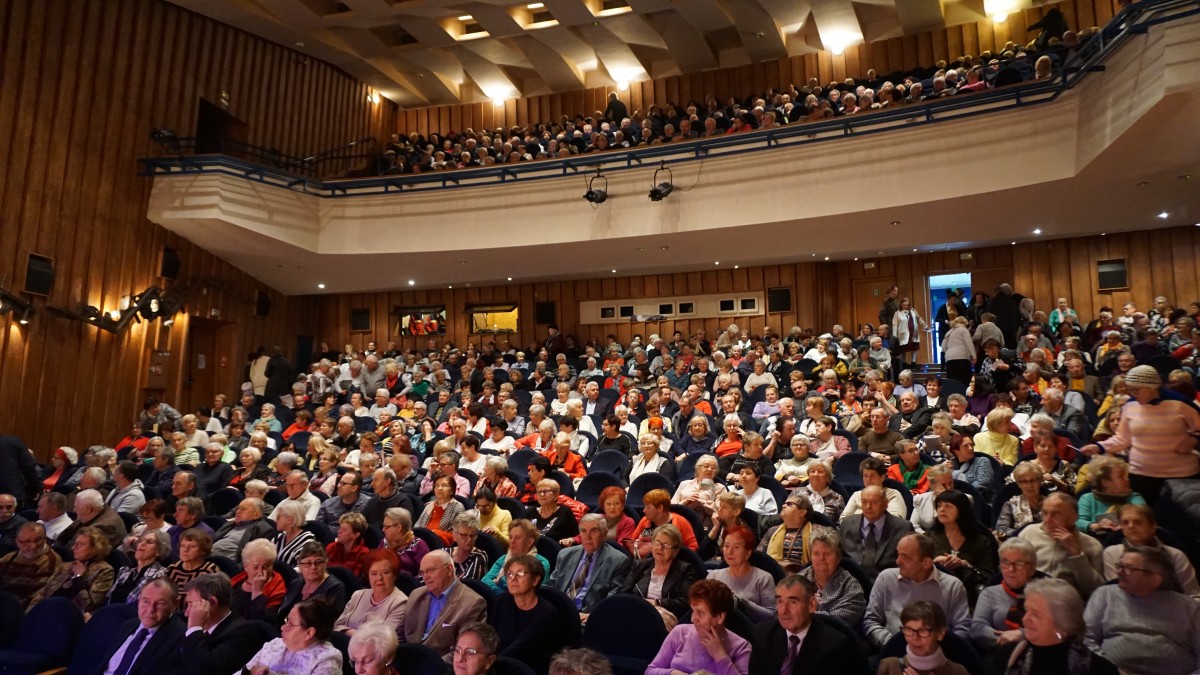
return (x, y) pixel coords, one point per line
(449, 287)
(115, 315)
(1014, 243)
(856, 260)
(1164, 215)
(465, 17)
(717, 262)
(1143, 183)
(510, 278)
(1000, 18)
(914, 250)
(826, 258)
(614, 271)
(663, 248)
(661, 190)
(497, 101)
(320, 285)
(894, 222)
(412, 282)
(462, 262)
(623, 86)
(535, 5)
(24, 320)
(736, 266)
(1037, 230)
(596, 195)
(1183, 176)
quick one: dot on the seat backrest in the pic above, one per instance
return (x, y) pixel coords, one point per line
(693, 519)
(11, 615)
(592, 485)
(348, 578)
(645, 483)
(983, 510)
(566, 486)
(415, 659)
(904, 493)
(407, 582)
(568, 614)
(488, 544)
(781, 493)
(513, 506)
(845, 469)
(626, 626)
(508, 666)
(767, 564)
(692, 558)
(228, 567)
(320, 531)
(429, 537)
(364, 424)
(850, 438)
(482, 590)
(548, 548)
(101, 631)
(610, 461)
(51, 629)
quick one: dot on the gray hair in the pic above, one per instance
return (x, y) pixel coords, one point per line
(97, 474)
(161, 541)
(255, 454)
(379, 637)
(293, 509)
(261, 549)
(497, 464)
(596, 518)
(468, 519)
(829, 537)
(400, 516)
(1041, 419)
(580, 662)
(288, 459)
(105, 455)
(731, 419)
(1027, 550)
(957, 398)
(90, 498)
(1066, 607)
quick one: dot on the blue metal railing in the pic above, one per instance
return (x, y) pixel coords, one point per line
(1133, 20)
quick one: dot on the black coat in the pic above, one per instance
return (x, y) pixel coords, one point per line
(279, 380)
(226, 650)
(18, 472)
(680, 578)
(825, 650)
(160, 653)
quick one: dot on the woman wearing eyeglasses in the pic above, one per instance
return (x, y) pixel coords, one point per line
(528, 628)
(1000, 608)
(373, 648)
(314, 581)
(1026, 507)
(303, 646)
(663, 579)
(924, 627)
(475, 651)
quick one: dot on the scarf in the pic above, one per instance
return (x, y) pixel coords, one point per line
(1079, 659)
(925, 664)
(913, 478)
(1016, 611)
(775, 545)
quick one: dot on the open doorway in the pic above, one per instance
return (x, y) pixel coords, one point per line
(218, 132)
(939, 284)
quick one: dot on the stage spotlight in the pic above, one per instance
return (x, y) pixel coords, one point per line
(664, 188)
(597, 195)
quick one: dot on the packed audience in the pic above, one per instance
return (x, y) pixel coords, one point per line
(775, 502)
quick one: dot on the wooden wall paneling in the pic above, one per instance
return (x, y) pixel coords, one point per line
(941, 45)
(954, 43)
(925, 49)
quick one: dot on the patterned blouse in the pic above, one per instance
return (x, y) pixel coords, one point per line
(175, 572)
(320, 658)
(842, 598)
(474, 567)
(288, 552)
(131, 580)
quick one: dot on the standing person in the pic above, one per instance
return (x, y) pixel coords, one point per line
(889, 307)
(907, 325)
(958, 350)
(18, 472)
(279, 375)
(615, 111)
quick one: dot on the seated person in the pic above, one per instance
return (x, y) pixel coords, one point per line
(217, 640)
(258, 589)
(1139, 528)
(26, 570)
(160, 631)
(373, 648)
(1053, 635)
(588, 573)
(380, 602)
(995, 440)
(296, 485)
(971, 468)
(879, 439)
(1141, 624)
(796, 641)
(1000, 609)
(445, 464)
(753, 588)
(528, 627)
(758, 499)
(1062, 551)
(398, 538)
(348, 549)
(839, 594)
(704, 645)
(349, 497)
(195, 545)
(924, 626)
(552, 519)
(1057, 474)
(909, 469)
(751, 454)
(469, 561)
(914, 578)
(563, 458)
(315, 580)
(700, 493)
(440, 512)
(437, 625)
(90, 511)
(523, 536)
(151, 550)
(870, 538)
(85, 580)
(663, 579)
(961, 544)
(793, 471)
(1110, 491)
(820, 494)
(1024, 508)
(305, 646)
(789, 542)
(248, 524)
(656, 509)
(873, 472)
(924, 515)
(648, 459)
(290, 521)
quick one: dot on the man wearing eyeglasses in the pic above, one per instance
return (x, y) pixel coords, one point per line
(349, 499)
(914, 578)
(149, 643)
(24, 571)
(440, 608)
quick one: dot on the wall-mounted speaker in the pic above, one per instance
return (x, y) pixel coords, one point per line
(262, 304)
(544, 312)
(779, 300)
(360, 320)
(39, 275)
(169, 268)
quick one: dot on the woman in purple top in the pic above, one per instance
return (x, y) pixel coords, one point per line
(398, 537)
(704, 644)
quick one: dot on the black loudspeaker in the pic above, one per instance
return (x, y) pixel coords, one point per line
(170, 264)
(39, 275)
(360, 320)
(779, 300)
(544, 311)
(262, 304)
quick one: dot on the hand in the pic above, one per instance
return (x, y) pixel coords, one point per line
(909, 670)
(260, 670)
(1090, 450)
(1000, 365)
(949, 561)
(713, 644)
(258, 581)
(1008, 637)
(489, 530)
(198, 613)
(1065, 539)
(566, 542)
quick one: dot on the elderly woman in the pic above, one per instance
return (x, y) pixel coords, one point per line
(493, 521)
(704, 645)
(552, 519)
(258, 590)
(440, 512)
(769, 405)
(347, 549)
(1053, 635)
(153, 514)
(62, 470)
(1058, 475)
(760, 377)
(909, 469)
(753, 587)
(840, 595)
(184, 453)
(193, 436)
(1139, 528)
(648, 460)
(494, 478)
(698, 440)
(469, 561)
(793, 471)
(730, 443)
(523, 536)
(1026, 507)
(789, 542)
(970, 467)
(325, 478)
(621, 527)
(758, 499)
(827, 445)
(1001, 608)
(961, 544)
(398, 538)
(373, 648)
(995, 439)
(1110, 491)
(923, 627)
(924, 514)
(819, 493)
(381, 601)
(662, 579)
(528, 627)
(152, 548)
(936, 440)
(314, 581)
(84, 581)
(251, 468)
(1158, 435)
(194, 546)
(700, 493)
(303, 648)
(291, 537)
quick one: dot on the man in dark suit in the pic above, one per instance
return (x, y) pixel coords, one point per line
(150, 643)
(440, 410)
(440, 608)
(216, 640)
(870, 538)
(588, 573)
(593, 403)
(798, 642)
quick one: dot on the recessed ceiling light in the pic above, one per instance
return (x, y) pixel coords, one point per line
(535, 5)
(814, 255)
(1037, 230)
(1142, 183)
(510, 278)
(856, 259)
(320, 285)
(827, 258)
(412, 282)
(449, 287)
(1014, 243)
(663, 248)
(640, 248)
(1164, 215)
(894, 222)
(462, 262)
(614, 271)
(718, 262)
(465, 17)
(1183, 176)
(1103, 233)
(914, 250)
(736, 266)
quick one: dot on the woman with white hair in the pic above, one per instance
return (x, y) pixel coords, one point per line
(290, 518)
(648, 460)
(1053, 637)
(196, 437)
(372, 649)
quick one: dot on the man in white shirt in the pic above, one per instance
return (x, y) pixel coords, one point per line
(52, 514)
(150, 643)
(296, 485)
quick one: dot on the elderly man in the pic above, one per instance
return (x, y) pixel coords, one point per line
(880, 439)
(446, 464)
(437, 610)
(248, 524)
(873, 473)
(213, 474)
(164, 471)
(871, 538)
(296, 485)
(387, 495)
(52, 514)
(349, 499)
(382, 404)
(149, 643)
(914, 578)
(25, 571)
(128, 496)
(189, 513)
(9, 520)
(1142, 625)
(373, 374)
(216, 640)
(798, 640)
(593, 404)
(349, 378)
(183, 485)
(90, 511)
(1065, 417)
(1062, 551)
(914, 419)
(591, 571)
